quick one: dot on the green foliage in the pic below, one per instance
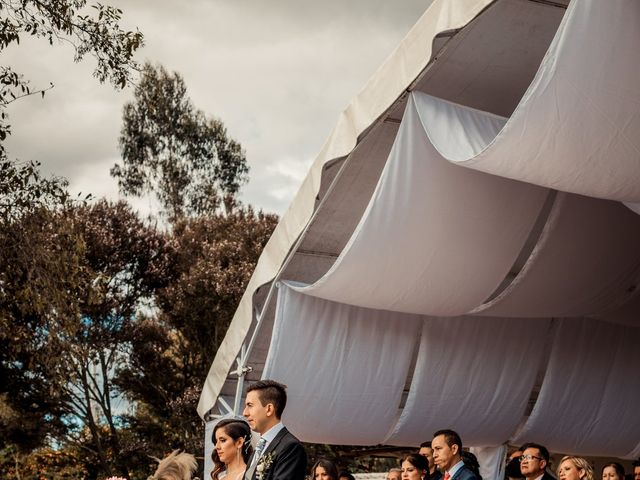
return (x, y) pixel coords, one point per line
(217, 255)
(125, 261)
(24, 190)
(96, 304)
(40, 274)
(73, 277)
(41, 464)
(93, 30)
(172, 150)
(173, 350)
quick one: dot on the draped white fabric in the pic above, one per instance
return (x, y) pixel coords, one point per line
(588, 403)
(634, 454)
(461, 230)
(474, 375)
(586, 260)
(208, 448)
(491, 460)
(380, 92)
(464, 232)
(635, 207)
(577, 128)
(345, 367)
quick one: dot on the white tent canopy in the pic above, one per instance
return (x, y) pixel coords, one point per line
(473, 374)
(368, 361)
(465, 230)
(466, 258)
(426, 206)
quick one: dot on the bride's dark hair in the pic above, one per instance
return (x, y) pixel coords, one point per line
(235, 429)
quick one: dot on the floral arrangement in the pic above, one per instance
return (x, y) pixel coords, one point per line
(263, 465)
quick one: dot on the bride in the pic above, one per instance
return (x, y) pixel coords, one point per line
(232, 441)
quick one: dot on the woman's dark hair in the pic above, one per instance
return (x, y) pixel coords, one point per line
(235, 429)
(617, 467)
(346, 474)
(471, 462)
(418, 461)
(329, 467)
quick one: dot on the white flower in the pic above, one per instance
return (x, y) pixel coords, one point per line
(263, 464)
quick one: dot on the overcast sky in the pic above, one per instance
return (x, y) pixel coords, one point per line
(277, 72)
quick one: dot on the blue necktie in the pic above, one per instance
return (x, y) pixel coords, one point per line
(259, 448)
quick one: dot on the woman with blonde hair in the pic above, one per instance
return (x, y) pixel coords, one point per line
(575, 468)
(176, 466)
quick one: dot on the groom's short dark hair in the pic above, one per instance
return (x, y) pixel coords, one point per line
(270, 391)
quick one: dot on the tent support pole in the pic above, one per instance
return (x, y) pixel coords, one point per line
(224, 404)
(241, 372)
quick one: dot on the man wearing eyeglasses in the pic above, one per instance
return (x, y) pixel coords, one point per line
(534, 461)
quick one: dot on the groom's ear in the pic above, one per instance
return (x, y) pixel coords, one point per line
(271, 410)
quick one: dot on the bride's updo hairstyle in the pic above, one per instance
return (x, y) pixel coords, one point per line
(235, 429)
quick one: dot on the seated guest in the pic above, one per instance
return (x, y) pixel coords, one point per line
(471, 462)
(427, 452)
(512, 470)
(534, 462)
(447, 454)
(613, 471)
(176, 466)
(415, 467)
(574, 468)
(324, 470)
(345, 475)
(394, 474)
(636, 470)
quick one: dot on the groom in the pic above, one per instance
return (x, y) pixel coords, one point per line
(279, 455)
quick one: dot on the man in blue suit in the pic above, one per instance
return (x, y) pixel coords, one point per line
(447, 455)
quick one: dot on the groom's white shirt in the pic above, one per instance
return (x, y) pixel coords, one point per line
(270, 434)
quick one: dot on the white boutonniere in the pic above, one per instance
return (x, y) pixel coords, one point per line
(263, 465)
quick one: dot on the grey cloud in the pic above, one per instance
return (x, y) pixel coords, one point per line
(278, 73)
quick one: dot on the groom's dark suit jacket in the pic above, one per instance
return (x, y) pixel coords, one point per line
(289, 458)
